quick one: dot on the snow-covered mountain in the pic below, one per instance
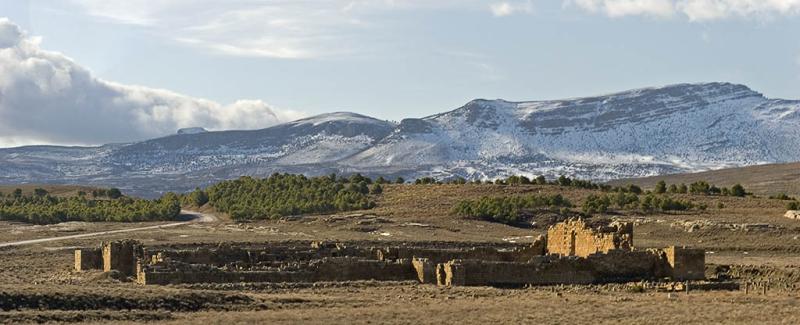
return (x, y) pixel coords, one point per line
(644, 132)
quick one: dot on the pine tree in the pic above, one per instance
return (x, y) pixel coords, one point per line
(661, 187)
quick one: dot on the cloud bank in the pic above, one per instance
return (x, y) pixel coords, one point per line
(45, 97)
(694, 10)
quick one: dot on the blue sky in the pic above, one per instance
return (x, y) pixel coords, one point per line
(395, 59)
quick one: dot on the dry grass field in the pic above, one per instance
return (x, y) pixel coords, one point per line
(748, 234)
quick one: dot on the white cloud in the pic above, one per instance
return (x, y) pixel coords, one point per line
(703, 10)
(45, 97)
(288, 29)
(505, 8)
(693, 10)
(619, 8)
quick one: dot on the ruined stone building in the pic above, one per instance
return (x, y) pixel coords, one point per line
(572, 252)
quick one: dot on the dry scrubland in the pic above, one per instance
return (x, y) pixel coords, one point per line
(749, 234)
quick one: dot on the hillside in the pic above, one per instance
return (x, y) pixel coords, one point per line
(638, 133)
(54, 190)
(762, 180)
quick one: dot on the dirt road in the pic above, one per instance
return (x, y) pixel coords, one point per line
(190, 216)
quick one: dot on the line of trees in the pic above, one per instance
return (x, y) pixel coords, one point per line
(42, 208)
(508, 209)
(649, 203)
(700, 188)
(286, 194)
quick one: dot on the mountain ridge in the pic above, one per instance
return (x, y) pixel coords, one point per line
(635, 133)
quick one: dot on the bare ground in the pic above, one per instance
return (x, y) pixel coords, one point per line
(749, 234)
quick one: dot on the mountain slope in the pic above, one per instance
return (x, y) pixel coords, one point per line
(645, 132)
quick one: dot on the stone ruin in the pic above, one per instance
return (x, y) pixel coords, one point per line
(792, 214)
(572, 252)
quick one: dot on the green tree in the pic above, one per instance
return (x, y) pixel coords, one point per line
(661, 187)
(114, 193)
(738, 190)
(40, 192)
(198, 198)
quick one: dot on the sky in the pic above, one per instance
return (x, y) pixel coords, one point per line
(88, 72)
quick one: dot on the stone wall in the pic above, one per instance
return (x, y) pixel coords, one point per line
(426, 270)
(572, 253)
(324, 270)
(542, 271)
(576, 238)
(486, 253)
(88, 259)
(122, 256)
(686, 263)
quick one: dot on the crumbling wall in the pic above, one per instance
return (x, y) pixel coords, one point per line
(575, 238)
(163, 277)
(350, 269)
(623, 266)
(324, 270)
(686, 263)
(426, 270)
(542, 271)
(578, 254)
(486, 253)
(88, 259)
(121, 256)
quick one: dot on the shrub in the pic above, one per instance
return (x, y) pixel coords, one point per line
(507, 209)
(738, 190)
(781, 196)
(426, 181)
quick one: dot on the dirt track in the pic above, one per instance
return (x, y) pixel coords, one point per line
(194, 216)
